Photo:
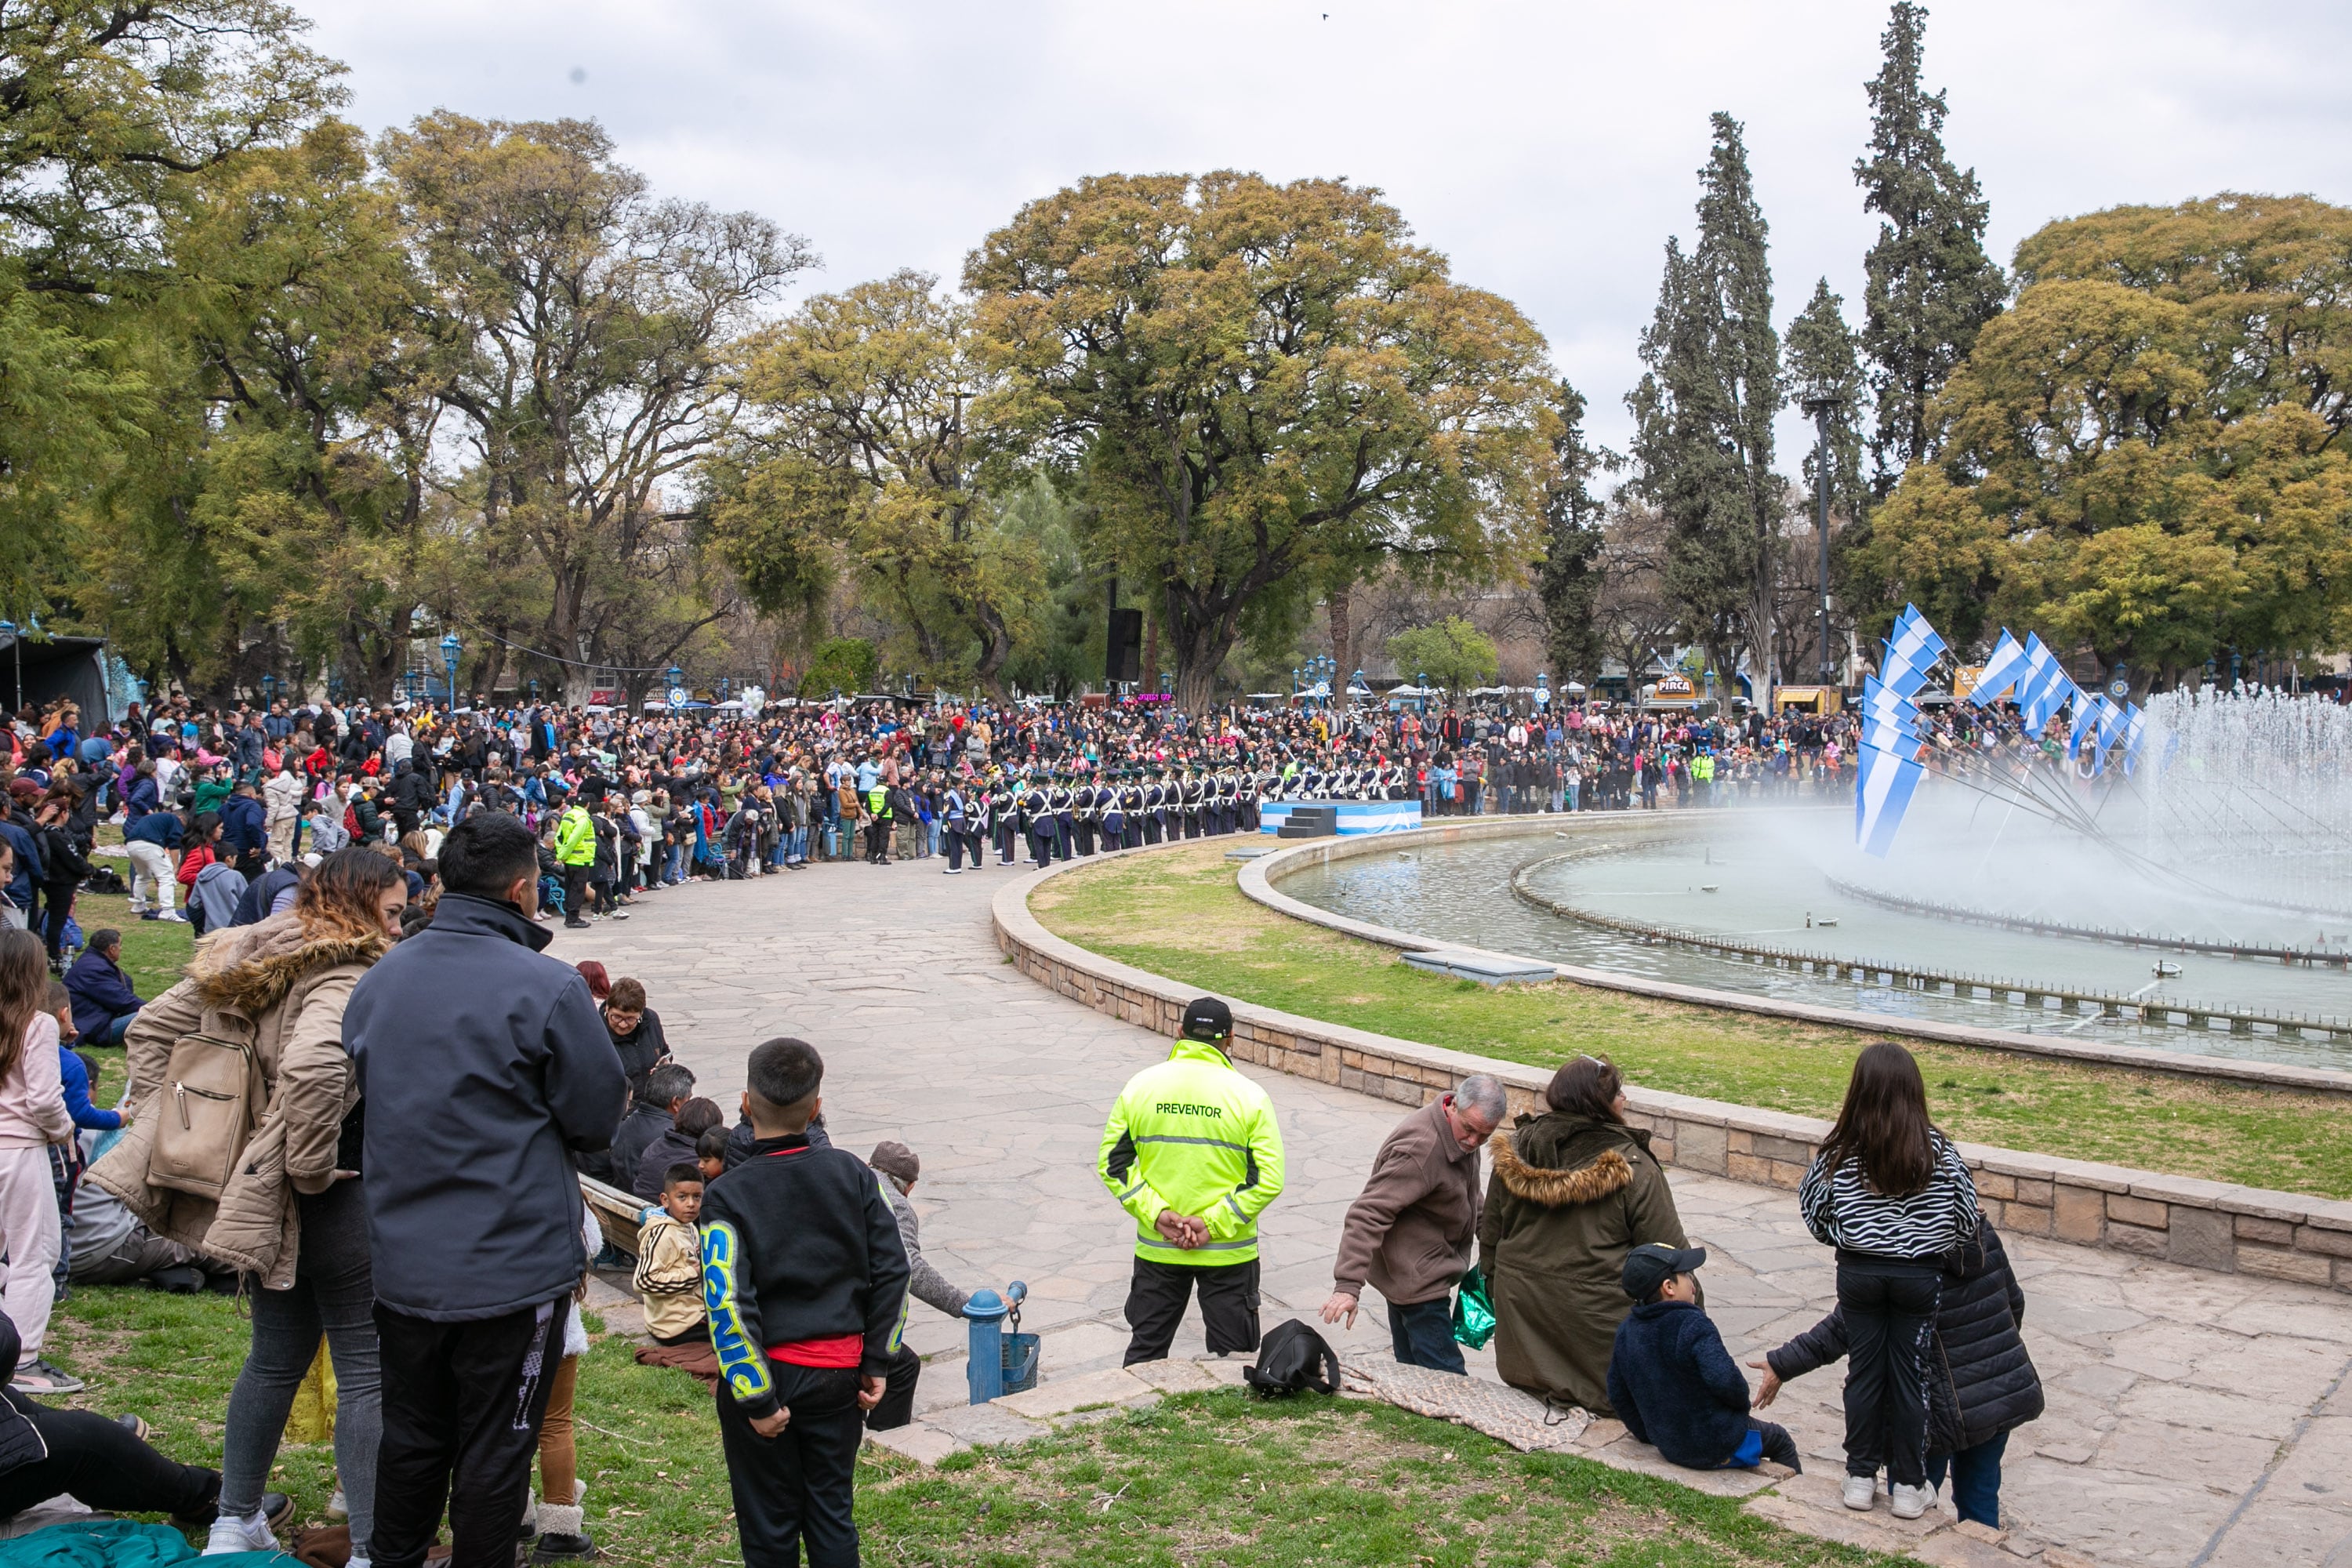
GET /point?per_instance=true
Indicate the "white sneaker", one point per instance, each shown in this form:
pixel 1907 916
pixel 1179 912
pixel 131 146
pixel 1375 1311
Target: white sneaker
pixel 337 1507
pixel 1861 1491
pixel 239 1535
pixel 1909 1502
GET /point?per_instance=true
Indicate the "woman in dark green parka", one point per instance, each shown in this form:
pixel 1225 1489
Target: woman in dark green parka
pixel 1574 1191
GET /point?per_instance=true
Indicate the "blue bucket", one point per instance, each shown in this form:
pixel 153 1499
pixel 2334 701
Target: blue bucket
pixel 1021 1355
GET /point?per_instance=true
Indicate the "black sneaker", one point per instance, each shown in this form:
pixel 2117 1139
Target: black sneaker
pixel 553 1548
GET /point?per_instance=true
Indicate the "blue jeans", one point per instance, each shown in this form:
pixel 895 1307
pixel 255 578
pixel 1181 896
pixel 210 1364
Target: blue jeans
pixel 1422 1336
pixel 1975 1480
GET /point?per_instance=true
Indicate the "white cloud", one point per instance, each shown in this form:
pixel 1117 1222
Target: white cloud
pixel 1547 149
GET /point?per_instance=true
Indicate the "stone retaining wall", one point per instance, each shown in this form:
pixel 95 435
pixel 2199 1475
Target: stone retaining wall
pixel 2201 1224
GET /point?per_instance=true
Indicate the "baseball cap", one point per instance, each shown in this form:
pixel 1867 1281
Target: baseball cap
pixel 1206 1018
pixel 1653 1263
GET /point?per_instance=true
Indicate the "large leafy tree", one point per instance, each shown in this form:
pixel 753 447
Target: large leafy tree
pixel 1255 382
pixel 1824 365
pixel 1931 286
pixel 2122 469
pixel 1703 415
pixel 290 484
pixel 588 319
pixel 108 107
pixel 858 438
pixel 1568 575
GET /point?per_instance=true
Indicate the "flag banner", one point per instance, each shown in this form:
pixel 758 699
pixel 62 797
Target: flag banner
pixel 2135 734
pixel 2084 719
pixel 1894 738
pixel 1915 645
pixel 2000 671
pixel 2112 722
pixel 1881 700
pixel 1882 793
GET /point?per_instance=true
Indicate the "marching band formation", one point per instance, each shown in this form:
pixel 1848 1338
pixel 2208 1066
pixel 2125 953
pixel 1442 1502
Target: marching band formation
pixel 1064 813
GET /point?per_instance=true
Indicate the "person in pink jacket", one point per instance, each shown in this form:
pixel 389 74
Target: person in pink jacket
pixel 32 1116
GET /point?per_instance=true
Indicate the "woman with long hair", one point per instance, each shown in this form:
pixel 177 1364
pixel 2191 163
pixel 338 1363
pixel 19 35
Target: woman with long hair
pixel 290 1217
pixel 1890 1192
pixel 1574 1190
pixel 32 1116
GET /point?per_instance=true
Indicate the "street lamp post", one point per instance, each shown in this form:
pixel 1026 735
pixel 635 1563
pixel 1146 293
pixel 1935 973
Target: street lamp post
pixel 1821 406
pixel 1421 685
pixel 672 693
pixel 450 648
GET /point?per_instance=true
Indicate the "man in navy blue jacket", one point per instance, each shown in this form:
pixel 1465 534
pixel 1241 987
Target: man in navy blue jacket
pixel 1671 1381
pixel 103 1001
pixel 482 1066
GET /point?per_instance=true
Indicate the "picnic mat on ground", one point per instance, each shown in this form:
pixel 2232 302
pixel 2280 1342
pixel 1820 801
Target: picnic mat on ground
pixel 117 1543
pixel 700 1359
pixel 1501 1411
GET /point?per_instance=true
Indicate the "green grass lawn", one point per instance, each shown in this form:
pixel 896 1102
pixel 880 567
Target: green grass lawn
pixel 1202 1478
pixel 1181 915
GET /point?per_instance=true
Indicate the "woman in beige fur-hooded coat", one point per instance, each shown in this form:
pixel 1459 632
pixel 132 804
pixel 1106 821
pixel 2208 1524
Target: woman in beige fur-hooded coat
pixel 1574 1190
pixel 292 1217
pixel 289 976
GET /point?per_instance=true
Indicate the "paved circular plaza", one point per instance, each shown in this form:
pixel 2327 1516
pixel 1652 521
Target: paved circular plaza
pixel 2194 1418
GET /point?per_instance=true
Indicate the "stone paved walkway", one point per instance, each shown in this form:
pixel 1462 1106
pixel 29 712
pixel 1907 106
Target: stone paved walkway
pixel 2193 1418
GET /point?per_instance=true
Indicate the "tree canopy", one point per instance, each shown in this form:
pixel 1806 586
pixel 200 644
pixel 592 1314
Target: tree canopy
pixel 1251 383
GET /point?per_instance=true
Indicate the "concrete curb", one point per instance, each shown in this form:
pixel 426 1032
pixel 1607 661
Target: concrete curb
pixel 2198 1224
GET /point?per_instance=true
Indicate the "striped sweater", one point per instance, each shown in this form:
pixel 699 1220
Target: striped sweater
pixel 1842 1211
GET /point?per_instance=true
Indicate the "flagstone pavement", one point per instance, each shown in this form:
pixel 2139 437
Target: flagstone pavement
pixel 2193 1418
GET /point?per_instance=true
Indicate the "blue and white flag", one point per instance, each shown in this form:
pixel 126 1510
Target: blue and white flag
pixel 2001 670
pixel 2041 685
pixel 2083 721
pixel 1881 700
pixel 1884 784
pixel 2135 734
pixel 2112 722
pixel 1911 652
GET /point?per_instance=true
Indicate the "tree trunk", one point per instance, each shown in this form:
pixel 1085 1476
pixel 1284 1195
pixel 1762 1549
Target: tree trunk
pixel 1343 640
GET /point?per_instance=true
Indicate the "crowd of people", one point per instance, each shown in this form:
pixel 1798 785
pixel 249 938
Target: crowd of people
pixel 212 800
pixel 365 877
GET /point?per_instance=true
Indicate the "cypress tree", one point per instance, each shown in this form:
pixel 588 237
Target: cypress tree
pixel 1703 417
pixel 1567 578
pixel 1825 360
pixel 1930 286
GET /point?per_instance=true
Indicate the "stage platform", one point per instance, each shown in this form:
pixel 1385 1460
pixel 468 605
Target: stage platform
pixel 1346 818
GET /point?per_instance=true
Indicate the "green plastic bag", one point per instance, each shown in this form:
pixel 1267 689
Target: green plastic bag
pixel 1474 1312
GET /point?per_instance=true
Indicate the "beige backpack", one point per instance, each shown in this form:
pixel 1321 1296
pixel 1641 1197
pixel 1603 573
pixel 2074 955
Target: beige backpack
pixel 211 1098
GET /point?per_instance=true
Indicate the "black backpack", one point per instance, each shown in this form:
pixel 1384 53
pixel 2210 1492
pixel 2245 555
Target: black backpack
pixel 1292 1357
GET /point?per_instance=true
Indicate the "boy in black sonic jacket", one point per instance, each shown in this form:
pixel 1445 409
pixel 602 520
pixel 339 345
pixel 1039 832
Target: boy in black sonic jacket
pixel 805 1280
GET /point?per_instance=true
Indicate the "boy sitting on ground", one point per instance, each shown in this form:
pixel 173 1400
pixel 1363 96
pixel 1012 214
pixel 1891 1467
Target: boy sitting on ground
pixel 1671 1381
pixel 670 1260
pixel 805 1280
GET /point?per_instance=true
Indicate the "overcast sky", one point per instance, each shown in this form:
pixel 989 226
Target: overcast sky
pixel 1547 149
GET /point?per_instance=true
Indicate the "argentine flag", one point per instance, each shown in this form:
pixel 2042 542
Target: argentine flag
pixel 1883 788
pixel 2000 670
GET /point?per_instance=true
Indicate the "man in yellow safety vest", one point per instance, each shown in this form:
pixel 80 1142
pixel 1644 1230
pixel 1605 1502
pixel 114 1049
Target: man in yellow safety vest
pixel 1191 1151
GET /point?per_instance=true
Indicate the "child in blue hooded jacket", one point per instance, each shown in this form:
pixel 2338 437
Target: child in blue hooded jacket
pixel 1671 1381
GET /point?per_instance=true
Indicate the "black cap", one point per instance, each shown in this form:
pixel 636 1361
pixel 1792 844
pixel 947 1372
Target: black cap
pixel 1206 1018
pixel 1653 1263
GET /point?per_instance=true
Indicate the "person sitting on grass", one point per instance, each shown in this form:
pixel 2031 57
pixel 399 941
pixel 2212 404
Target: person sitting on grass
pixel 103 1464
pixel 670 1260
pixel 1671 1381
pixel 104 1001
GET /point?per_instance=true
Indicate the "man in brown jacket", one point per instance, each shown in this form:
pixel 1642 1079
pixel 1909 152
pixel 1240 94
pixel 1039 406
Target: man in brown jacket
pixel 1409 1233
